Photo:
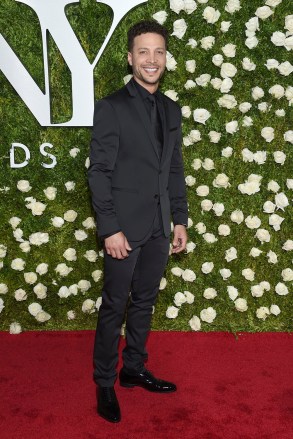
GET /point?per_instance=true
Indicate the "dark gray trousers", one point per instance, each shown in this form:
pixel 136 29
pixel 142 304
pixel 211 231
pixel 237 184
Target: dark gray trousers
pixel 140 273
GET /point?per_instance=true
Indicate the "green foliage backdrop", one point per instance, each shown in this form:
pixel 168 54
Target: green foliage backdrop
pixel 90 21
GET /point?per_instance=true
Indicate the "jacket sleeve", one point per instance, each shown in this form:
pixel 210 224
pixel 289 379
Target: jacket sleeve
pixel 103 153
pixel 177 187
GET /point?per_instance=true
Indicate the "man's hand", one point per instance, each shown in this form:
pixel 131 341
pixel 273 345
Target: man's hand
pixel 117 245
pixel 180 239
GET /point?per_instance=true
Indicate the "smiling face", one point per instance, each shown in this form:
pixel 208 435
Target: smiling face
pixel 148 60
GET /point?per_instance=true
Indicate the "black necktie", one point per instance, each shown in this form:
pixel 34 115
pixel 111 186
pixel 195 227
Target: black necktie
pixel 156 123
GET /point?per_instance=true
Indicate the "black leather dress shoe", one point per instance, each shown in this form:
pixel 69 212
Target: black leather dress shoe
pixel 108 405
pixel 146 380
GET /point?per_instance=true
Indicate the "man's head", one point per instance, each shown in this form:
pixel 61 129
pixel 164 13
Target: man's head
pixel 147 45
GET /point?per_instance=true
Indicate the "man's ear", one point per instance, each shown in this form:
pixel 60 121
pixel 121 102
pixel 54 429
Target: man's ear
pixel 129 57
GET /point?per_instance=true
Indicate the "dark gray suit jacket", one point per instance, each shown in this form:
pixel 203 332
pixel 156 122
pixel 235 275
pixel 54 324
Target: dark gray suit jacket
pixel 125 175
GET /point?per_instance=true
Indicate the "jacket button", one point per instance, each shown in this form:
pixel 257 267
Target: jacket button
pixel 156 196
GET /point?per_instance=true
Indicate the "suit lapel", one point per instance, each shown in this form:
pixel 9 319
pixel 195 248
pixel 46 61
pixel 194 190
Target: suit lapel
pixel 142 112
pixel 164 112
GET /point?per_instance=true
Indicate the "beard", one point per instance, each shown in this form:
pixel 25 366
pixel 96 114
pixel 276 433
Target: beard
pixel 151 81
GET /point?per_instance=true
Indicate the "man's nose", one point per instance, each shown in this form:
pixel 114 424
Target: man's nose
pixel 152 57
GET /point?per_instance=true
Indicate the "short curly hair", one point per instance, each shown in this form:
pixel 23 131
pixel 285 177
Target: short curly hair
pixel 143 27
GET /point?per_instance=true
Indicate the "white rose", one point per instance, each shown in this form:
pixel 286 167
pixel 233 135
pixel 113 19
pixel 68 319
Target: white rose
pixel 285 68
pixel 171 63
pixel 272 64
pixel 211 15
pixel 257 93
pixel 260 157
pixel 217 59
pixel 262 312
pixel 70 186
pixel 57 221
pixel 177 5
pixel 2 306
pixel 264 107
pixel 36 207
pixel 227 101
pixel 194 135
pixel 208 164
pixel 70 216
pixel 265 285
pixel 201 115
pixel 73 152
pixel 287 275
pixel 276 221
pixel 244 107
pixel 70 254
pixel 248 274
pixel 42 268
pixel 25 246
pixel 210 238
pixel 71 315
pixel 40 290
pixel 91 255
pixel 226 85
pixel 88 306
pixel 189 297
pixel 241 304
pixel 262 235
pixel 279 157
pixel 275 310
pixel 177 271
pixel 127 78
pixel 247 121
pixel 232 127
pixel 288 245
pixel 84 285
pixel 251 42
pixel 188 275
pixel 203 79
pixel 277 91
pixel 96 275
pixel 257 291
pixel 214 136
pixel 263 12
pixel 255 252
pixel 80 235
pixel 160 17
pixel 224 230
pixel 89 223
pixel 42 316
pixel 218 208
pixel 248 65
pixel 98 303
pixel 232 292
pixel 210 293
pixel 172 94
pixel 18 233
pixel 179 298
pixel 207 42
pixel 63 270
pixel 190 246
pixel 221 181
pixel 14 222
pixel 289 183
pixel 230 254
pixel 23 185
pixel 196 164
pixel 186 111
pixel 15 328
pixel 73 289
pixel 288 136
pixel 189 6
pixel 281 289
pixel 190 180
pixel 228 70
pixel 20 295
pixel 206 205
pixel 87 162
pixel 237 216
pixel 30 277
pixel 207 267
pixel 50 192
pixel 225 273
pixel 281 200
pixel 273 186
pixel 203 190
pixel 229 50
pixel 252 222
pixel 216 83
pixel 192 43
pixel 34 308
pixel 269 207
pixel 179 28
pixel 232 6
pixel 172 312
pixel 18 264
pixel 39 238
pixel 200 228
pixel 268 133
pixel 3 251
pixel 190 65
pixel 195 323
pixel 63 292
pixel 208 314
pixel 225 25
pixel 3 288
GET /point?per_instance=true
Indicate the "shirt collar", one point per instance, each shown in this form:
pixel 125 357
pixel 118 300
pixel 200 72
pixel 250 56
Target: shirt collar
pixel 144 93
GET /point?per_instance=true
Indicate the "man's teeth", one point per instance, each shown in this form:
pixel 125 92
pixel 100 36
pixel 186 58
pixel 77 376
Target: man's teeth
pixel 151 69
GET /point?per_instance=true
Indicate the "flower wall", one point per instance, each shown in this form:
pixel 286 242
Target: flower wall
pixel 229 69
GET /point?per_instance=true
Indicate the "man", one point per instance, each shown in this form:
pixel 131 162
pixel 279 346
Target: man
pixel 137 181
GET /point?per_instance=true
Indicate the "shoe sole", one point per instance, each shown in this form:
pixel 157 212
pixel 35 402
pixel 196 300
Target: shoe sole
pixel 129 386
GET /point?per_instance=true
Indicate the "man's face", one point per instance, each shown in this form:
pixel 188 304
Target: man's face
pixel 148 58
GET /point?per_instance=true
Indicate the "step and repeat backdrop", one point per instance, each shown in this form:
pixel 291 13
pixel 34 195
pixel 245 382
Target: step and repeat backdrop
pixel 230 69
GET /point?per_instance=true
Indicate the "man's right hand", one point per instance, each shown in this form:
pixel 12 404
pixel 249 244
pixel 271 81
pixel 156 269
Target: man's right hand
pixel 117 245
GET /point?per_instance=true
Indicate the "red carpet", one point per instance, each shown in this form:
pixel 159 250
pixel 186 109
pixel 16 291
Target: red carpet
pixel 227 388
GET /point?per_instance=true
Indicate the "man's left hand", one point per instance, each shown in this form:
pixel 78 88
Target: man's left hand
pixel 180 238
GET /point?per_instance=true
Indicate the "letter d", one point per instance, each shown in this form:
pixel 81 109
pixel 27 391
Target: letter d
pixel 12 157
